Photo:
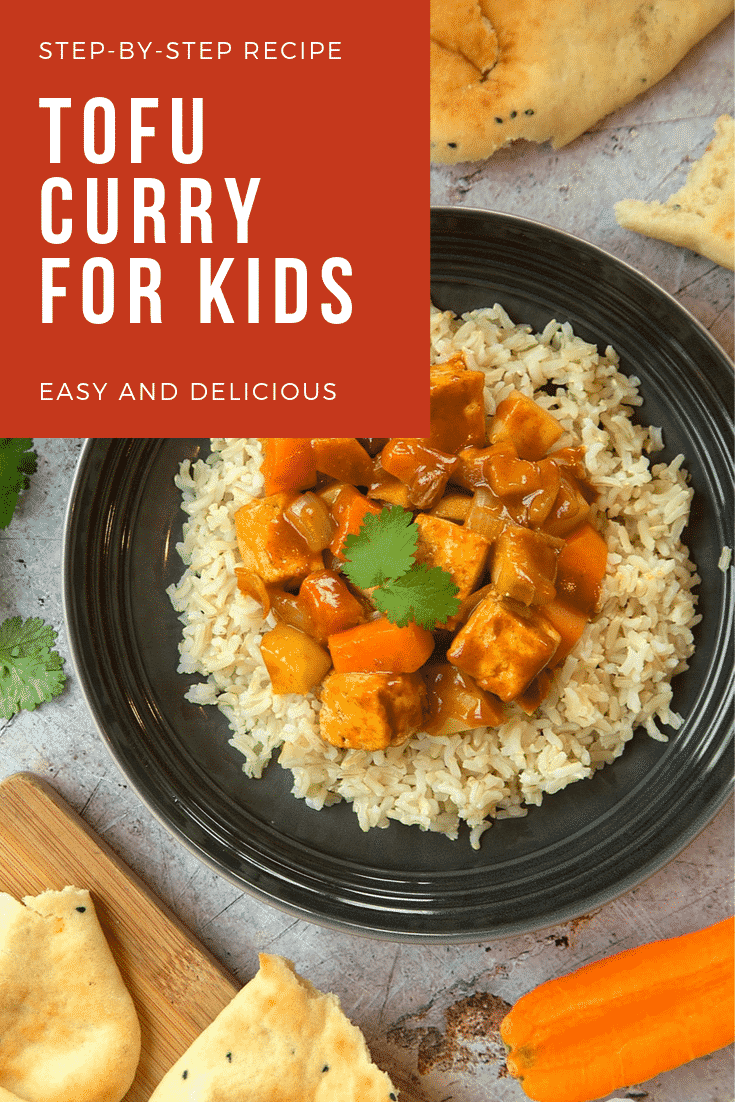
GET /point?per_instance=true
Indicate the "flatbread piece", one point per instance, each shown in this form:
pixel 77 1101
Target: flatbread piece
pixel 69 1031
pixel 546 70
pixel 701 214
pixel 277 1041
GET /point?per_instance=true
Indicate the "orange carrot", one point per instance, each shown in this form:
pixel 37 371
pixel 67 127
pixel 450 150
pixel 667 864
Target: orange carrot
pixel 349 511
pixel 288 464
pixel 380 647
pixel 580 569
pixel 343 458
pixel 624 1019
pixel 569 623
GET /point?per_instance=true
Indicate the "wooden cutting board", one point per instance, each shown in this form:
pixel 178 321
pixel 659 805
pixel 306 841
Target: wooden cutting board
pixel 177 985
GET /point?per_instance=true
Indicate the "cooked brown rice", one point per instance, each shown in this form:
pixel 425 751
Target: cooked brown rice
pixel 617 678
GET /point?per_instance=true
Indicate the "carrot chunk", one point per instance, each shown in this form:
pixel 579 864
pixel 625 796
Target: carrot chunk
pixel 288 464
pixel 381 647
pixel 343 458
pixel 569 623
pixel 580 569
pixel 349 510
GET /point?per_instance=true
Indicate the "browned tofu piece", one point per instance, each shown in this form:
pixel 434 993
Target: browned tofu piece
pixel 269 546
pixel 524 565
pixel 503 647
pixel 459 551
pixel 369 711
pixel 532 428
pixel 457 403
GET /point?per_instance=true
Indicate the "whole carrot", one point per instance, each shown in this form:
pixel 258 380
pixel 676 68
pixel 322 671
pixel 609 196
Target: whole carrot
pixel 624 1019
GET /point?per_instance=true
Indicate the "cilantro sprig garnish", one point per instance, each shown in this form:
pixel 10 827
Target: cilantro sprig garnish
pixel 31 672
pixel 381 557
pixel 17 462
pixel 383 549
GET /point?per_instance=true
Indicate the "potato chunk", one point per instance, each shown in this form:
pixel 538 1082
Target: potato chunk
pixel 503 647
pixel 457 402
pixel 269 546
pixel 295 662
pixel 369 711
pixel 460 552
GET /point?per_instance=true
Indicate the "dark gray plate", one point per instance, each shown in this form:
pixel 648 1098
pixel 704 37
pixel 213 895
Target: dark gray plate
pixel 585 845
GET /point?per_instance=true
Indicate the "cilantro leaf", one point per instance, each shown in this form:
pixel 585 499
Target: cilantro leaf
pixel 380 557
pixel 30 671
pixel 425 594
pixel 382 549
pixel 17 462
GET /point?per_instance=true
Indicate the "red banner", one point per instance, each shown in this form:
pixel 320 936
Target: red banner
pixel 217 220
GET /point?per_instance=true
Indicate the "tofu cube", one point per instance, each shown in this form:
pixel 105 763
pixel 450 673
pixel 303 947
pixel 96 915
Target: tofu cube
pixel 532 428
pixel 369 711
pixel 503 647
pixel 457 403
pixel 460 552
pixel 269 546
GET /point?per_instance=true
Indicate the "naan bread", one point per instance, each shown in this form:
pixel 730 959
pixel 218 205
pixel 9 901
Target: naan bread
pixel 700 215
pixel 68 1028
pixel 279 1040
pixel 546 70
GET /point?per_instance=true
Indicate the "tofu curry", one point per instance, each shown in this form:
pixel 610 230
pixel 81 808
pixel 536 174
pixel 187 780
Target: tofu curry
pixel 501 507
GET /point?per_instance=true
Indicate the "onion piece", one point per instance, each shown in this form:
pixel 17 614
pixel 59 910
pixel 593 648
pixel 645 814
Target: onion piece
pixel 289 608
pixel 469 604
pixel 309 516
pixel 452 507
pixel 486 516
pixel 252 585
pixel 330 492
